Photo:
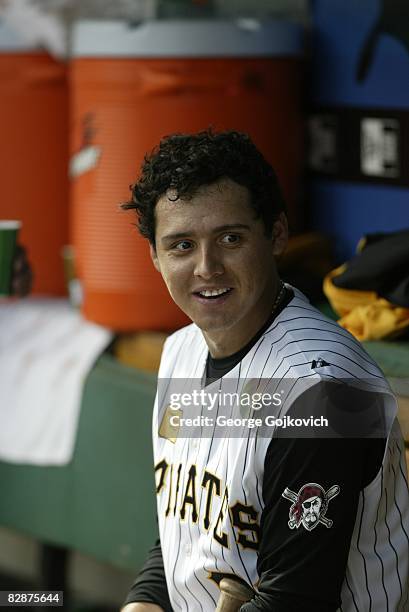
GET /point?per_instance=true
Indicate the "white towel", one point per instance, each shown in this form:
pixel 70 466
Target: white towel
pixel 46 352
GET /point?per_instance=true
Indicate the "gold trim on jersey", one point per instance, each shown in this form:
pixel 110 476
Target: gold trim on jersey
pixel 236 512
pixel 222 539
pixel 166 429
pixel 242 517
pixel 213 479
pixel 170 490
pixel 177 489
pixel 162 465
pixel 190 499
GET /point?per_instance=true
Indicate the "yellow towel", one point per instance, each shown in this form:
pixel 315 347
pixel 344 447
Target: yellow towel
pixel 366 315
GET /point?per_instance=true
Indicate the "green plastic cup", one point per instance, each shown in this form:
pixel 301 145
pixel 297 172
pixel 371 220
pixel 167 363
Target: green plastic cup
pixel 8 240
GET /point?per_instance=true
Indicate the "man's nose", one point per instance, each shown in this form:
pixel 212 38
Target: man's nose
pixel 208 262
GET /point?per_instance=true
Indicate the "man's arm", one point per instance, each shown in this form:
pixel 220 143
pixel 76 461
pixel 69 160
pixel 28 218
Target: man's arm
pixel 149 592
pixel 304 567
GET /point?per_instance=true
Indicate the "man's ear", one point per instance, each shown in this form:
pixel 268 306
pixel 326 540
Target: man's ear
pixel 280 234
pixel 154 257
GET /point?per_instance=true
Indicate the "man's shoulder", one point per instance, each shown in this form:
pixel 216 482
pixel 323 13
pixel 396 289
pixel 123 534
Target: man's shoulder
pixel 301 322
pixel 300 314
pixel 182 352
pixel 305 336
pixel 190 334
pixel 183 333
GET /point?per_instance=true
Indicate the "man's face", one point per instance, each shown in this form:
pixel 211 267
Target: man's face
pixel 311 510
pixel 217 262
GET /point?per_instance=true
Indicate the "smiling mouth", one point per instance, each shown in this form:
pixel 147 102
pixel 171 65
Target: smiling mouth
pixel 213 294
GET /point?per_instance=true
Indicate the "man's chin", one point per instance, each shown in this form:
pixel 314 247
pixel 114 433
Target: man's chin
pixel 211 325
pixel 213 322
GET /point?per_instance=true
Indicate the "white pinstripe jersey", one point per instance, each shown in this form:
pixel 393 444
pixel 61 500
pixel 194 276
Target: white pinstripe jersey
pixel 209 490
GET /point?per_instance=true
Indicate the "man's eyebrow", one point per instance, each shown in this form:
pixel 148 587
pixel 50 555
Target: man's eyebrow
pixel 220 228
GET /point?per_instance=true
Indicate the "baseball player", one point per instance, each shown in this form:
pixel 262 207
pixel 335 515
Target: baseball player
pixel 306 520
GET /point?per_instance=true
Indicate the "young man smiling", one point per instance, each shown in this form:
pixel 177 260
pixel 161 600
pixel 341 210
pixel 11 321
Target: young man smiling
pixel 218 261
pixel 308 522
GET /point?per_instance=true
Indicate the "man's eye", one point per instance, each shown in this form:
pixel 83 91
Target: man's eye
pixel 183 245
pixel 231 239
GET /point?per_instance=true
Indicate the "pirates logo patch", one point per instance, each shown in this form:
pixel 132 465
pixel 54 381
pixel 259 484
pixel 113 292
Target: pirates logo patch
pixel 310 505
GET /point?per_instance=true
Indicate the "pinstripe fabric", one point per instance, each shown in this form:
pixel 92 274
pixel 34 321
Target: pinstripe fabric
pixel 377 573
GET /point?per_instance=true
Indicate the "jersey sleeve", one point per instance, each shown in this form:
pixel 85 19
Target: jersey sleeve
pixel 150 584
pixel 311 489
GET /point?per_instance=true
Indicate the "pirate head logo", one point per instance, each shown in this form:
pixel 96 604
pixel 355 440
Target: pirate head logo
pixel 310 505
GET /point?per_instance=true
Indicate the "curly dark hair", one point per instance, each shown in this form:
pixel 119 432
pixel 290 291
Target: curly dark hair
pixel 186 162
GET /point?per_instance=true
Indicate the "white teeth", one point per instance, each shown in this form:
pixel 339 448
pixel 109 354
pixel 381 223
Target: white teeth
pixel 213 292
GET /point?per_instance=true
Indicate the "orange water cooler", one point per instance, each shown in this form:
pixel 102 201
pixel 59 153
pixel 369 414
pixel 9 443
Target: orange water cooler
pixel 131 85
pixel 34 155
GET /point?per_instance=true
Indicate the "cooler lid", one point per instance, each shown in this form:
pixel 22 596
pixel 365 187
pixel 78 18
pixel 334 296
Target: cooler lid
pixel 187 38
pixel 11 41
